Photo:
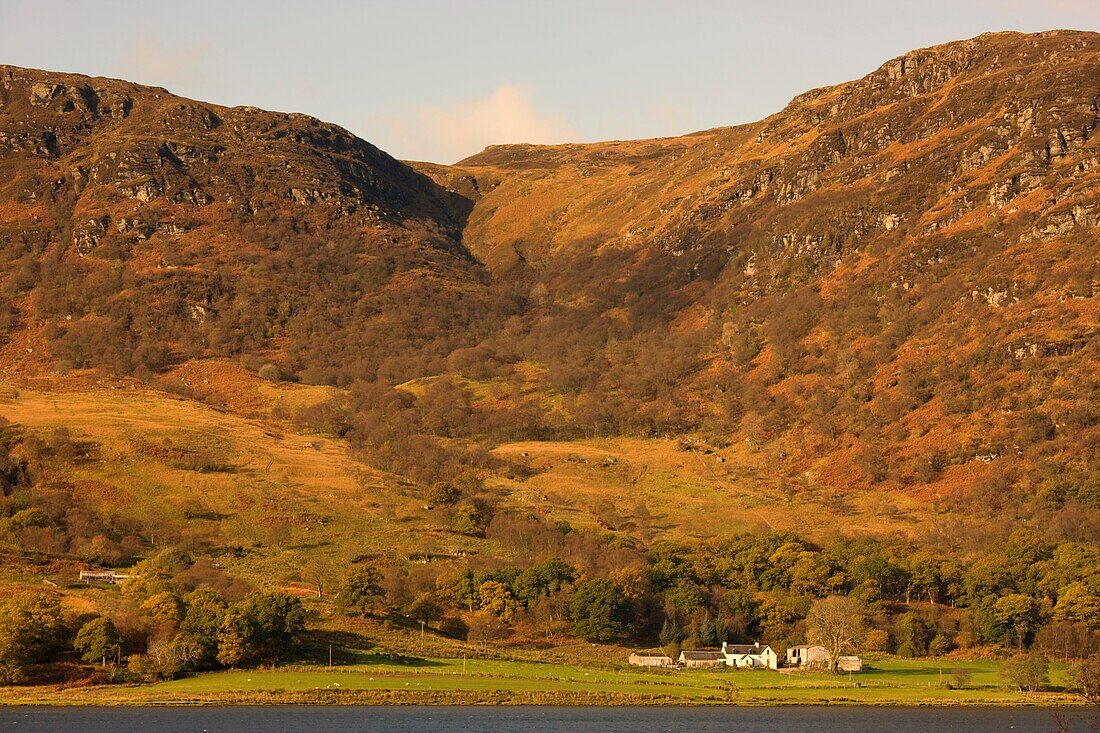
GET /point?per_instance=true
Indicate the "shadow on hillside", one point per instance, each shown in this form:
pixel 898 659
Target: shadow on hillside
pixel 348 648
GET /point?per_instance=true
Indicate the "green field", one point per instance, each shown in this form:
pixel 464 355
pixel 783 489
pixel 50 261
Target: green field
pixel 885 682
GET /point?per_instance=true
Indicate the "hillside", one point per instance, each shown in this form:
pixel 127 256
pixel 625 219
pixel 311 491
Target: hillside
pixel 891 280
pixel 141 229
pixel 849 349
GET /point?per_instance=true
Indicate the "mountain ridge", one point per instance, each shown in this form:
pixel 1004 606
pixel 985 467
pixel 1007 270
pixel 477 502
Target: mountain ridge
pixel 888 281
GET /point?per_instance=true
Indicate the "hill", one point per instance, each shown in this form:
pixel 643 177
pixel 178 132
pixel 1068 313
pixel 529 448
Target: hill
pixel 850 348
pixel 141 229
pixel 891 280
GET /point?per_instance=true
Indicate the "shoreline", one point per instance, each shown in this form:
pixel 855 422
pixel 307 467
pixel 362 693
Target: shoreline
pixel 102 697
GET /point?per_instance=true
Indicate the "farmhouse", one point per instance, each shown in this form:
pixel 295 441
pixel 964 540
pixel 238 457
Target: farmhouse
pixel 750 656
pixel 702 659
pixel 650 660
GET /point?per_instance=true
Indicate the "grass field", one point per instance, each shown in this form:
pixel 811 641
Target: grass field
pixel 453 680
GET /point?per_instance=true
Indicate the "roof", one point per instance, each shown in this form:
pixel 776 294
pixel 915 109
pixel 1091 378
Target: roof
pixel 702 655
pixel 746 648
pixel 641 655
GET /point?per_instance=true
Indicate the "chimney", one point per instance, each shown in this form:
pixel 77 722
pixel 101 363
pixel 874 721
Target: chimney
pixel 723 647
pixel 756 644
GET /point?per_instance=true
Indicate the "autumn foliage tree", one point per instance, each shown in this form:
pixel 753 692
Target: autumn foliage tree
pixel 838 624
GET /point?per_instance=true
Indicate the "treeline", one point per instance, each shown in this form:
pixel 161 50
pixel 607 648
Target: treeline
pixel 177 617
pixel 180 614
pixel 1025 593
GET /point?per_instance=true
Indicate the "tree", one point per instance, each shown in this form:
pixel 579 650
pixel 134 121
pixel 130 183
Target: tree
pixel 836 623
pixel 671 636
pixel 1017 616
pixel 425 608
pixel 1027 671
pixel 912 633
pixel 497 600
pixel 164 609
pixel 361 590
pixel 275 622
pixel 707 633
pixel 30 630
pixel 98 640
pixel 599 610
pixel 1085 678
pixel 196 643
pixel 469 521
pixel 941 644
pixel 233 639
pixel 484 626
pixel 1077 603
pixel 263 626
pixel 160 661
pixel 684 599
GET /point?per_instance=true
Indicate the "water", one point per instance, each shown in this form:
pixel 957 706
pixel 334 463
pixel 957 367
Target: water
pixel 531 720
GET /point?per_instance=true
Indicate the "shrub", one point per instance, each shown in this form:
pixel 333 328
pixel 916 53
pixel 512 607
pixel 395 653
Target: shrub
pixel 1030 672
pixel 270 372
pixel 442 494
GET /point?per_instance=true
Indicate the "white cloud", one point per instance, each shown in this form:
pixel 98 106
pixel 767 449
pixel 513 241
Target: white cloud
pixel 447 134
pixel 181 68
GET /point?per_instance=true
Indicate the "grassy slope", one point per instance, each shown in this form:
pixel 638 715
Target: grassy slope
pixel 292 499
pixel 479 680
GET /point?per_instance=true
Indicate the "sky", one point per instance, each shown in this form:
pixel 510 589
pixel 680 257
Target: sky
pixel 438 81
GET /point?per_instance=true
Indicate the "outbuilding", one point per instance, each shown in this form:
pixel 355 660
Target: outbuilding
pixel 702 659
pixel 650 660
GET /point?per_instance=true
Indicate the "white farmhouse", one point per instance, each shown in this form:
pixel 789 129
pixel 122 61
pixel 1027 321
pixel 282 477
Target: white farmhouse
pixel 750 656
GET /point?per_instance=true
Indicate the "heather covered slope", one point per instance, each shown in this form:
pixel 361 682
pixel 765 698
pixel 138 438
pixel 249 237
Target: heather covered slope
pixel 895 276
pixel 889 284
pixel 142 229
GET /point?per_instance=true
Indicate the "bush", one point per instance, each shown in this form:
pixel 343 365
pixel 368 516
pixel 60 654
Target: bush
pixel 960 679
pixel 1030 672
pixel 442 494
pixel 270 372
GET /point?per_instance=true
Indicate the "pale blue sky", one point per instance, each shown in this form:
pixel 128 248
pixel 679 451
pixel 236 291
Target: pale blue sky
pixel 439 80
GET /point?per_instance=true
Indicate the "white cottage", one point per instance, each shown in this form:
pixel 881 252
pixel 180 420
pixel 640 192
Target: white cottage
pixel 750 656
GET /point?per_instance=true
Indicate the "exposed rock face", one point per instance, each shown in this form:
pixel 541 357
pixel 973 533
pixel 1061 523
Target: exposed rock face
pixel 917 146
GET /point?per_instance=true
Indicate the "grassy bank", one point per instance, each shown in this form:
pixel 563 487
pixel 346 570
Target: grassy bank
pixel 458 681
